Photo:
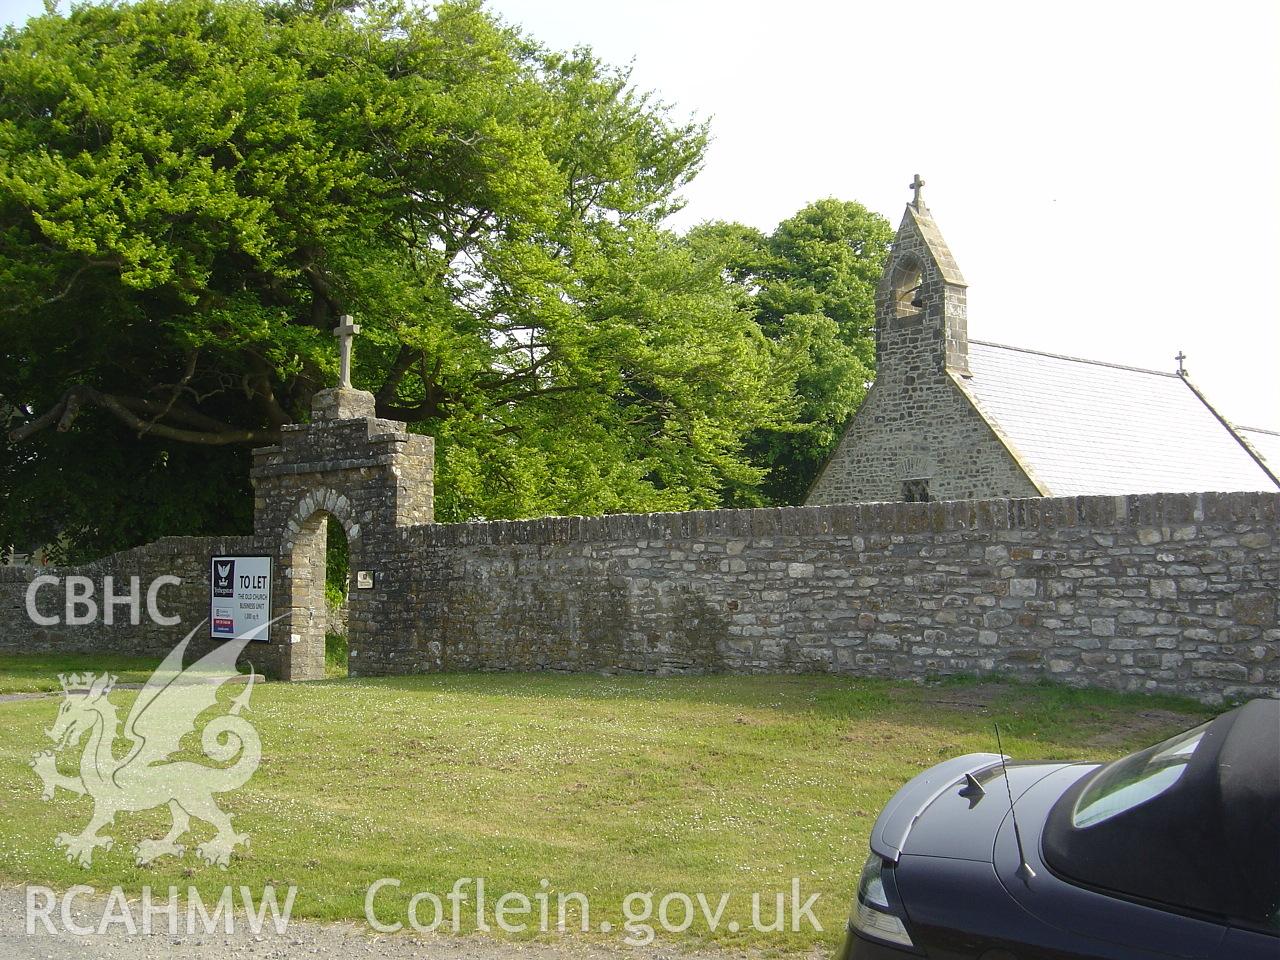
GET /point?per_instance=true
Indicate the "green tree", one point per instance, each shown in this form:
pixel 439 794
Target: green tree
pixel 192 191
pixel 810 284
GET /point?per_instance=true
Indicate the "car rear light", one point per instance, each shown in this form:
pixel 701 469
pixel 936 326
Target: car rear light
pixel 872 915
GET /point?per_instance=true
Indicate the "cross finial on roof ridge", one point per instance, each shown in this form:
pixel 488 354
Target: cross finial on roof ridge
pixel 917 185
pixel 1182 371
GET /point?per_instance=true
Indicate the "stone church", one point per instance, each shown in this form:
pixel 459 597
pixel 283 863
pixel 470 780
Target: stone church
pixel 950 418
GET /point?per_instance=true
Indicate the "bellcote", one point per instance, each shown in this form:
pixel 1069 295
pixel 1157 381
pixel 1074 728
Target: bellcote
pixel 921 314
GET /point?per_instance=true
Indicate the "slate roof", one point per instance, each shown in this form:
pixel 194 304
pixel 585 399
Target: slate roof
pixel 1083 427
pixel 1264 442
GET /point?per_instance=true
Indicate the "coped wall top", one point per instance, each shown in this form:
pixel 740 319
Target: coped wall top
pixel 1145 510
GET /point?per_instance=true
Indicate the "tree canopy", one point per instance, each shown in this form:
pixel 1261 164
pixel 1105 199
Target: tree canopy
pixel 192 191
pixel 810 285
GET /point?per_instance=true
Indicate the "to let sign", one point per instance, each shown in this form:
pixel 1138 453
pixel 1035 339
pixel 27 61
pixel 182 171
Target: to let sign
pixel 239 597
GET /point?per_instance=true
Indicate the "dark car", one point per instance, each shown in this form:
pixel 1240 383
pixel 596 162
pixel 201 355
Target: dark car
pixel 1173 851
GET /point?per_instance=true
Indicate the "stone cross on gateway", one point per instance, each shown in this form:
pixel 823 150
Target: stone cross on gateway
pixel 345 331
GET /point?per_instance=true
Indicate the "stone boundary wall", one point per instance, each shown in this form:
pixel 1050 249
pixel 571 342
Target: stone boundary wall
pixel 1171 592
pixel 184 557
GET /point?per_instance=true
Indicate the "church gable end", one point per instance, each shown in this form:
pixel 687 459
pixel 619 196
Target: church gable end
pixel 917 431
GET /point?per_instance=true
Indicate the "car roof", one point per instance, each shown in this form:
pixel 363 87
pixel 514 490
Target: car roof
pixel 1209 843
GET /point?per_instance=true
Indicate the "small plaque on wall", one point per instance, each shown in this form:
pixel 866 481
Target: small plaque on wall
pixel 364 579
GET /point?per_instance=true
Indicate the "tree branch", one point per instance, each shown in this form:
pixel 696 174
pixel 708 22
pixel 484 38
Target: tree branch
pixel 531 394
pixel 404 361
pixel 88 265
pixel 177 388
pixel 66 409
pixel 179 413
pixel 324 299
pixel 263 392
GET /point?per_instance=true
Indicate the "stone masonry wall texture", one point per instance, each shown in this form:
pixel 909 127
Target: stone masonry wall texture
pixel 936 434
pixel 1170 592
pixel 186 558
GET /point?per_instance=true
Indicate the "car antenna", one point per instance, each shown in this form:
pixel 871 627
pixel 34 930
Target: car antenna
pixel 1024 868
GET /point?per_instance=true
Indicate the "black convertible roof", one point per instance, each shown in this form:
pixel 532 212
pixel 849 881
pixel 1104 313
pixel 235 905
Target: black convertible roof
pixel 1209 843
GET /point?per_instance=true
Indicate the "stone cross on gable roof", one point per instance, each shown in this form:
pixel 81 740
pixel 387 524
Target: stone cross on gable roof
pixel 345 331
pixel 917 185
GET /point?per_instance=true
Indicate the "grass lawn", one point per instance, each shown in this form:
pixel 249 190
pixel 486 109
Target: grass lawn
pixel 602 786
pixel 32 673
pixel 335 655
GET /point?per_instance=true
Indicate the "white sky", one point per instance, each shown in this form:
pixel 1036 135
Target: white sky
pixel 1107 174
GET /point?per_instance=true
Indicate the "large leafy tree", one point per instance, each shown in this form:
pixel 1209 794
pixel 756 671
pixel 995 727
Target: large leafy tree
pixel 810 284
pixel 192 191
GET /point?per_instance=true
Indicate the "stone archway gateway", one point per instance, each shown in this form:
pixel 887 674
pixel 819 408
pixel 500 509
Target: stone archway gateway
pixel 370 475
pixel 305 572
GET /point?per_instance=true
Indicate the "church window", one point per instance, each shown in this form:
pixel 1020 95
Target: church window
pixel 915 491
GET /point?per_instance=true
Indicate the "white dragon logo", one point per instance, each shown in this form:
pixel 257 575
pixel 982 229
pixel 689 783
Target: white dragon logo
pixel 165 711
